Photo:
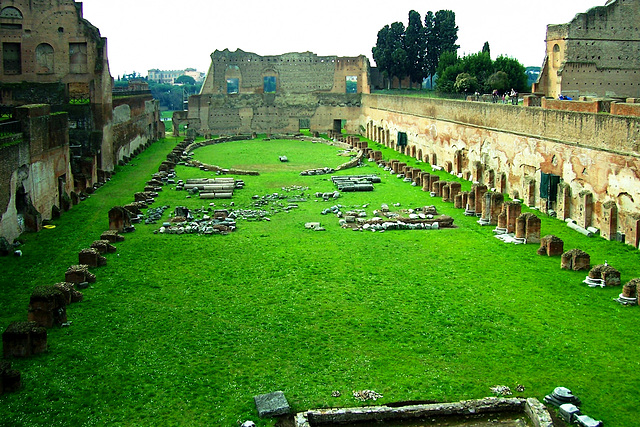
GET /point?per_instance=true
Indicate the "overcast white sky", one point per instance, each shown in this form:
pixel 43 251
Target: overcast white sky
pixel 178 34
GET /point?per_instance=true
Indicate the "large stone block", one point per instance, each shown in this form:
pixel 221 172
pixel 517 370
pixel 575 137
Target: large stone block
pixel 575 260
pixel 79 274
pixel 272 404
pixel 47 307
pixel 24 339
pixel 91 257
pixel 551 246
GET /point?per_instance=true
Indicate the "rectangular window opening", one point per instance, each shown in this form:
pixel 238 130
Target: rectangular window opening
pixel 11 58
pixel 270 84
pixel 233 86
pixel 352 84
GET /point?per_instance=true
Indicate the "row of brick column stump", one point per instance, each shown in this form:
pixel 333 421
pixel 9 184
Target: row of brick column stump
pixel 48 304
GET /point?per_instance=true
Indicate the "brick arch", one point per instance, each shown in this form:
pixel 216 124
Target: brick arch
pixel 419 156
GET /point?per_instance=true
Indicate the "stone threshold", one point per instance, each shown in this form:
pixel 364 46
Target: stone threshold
pixel 532 407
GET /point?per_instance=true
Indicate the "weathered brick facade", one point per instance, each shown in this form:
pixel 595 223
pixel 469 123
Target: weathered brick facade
pixel 51 55
pixel 244 92
pixel 596 54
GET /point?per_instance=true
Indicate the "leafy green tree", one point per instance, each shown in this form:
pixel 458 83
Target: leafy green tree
pixel 187 80
pixel 517 73
pixel 441 34
pixel 415 48
pixel 381 54
pixel 465 82
pixel 486 49
pixel 478 65
pixel 497 81
pixel 446 30
pixel 449 66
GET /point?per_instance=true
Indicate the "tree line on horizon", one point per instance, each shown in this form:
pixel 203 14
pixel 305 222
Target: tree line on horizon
pixel 427 49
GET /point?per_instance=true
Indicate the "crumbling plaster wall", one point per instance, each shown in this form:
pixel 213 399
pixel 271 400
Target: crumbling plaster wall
pixel 596 153
pixel 36 164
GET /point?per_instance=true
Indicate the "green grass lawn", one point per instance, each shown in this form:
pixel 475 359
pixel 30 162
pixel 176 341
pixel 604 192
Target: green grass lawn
pixel 185 330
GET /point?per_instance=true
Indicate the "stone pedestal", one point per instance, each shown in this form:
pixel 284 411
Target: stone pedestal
pixel 71 294
pixel 455 189
pixel 563 206
pixel 79 274
pixel 448 166
pixel 575 260
pixel 119 219
pixel 426 181
pixel 610 217
pixel 630 290
pixel 479 190
pixel 551 246
pixel 533 228
pixel 24 339
pixel 112 236
pixel 501 182
pixel 477 172
pixel 433 179
pixel 457 162
pixel 91 257
pixel 446 193
pixel 457 201
pixel 529 190
pixel 512 210
pixel 47 307
pixel 585 209
pixel 104 247
pixel 606 273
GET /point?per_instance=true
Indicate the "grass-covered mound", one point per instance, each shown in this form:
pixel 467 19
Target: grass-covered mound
pixel 185 330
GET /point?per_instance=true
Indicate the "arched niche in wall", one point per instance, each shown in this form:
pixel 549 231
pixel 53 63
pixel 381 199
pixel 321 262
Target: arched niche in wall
pixel 44 59
pixel 556 56
pixel 11 13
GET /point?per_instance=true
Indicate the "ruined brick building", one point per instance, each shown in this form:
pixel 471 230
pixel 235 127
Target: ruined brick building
pixel 62 128
pixel 596 54
pixel 244 92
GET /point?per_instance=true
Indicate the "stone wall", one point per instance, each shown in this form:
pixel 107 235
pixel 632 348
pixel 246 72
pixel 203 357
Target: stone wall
pixel 35 173
pixel 136 122
pixel 596 54
pixel 244 93
pixel 592 153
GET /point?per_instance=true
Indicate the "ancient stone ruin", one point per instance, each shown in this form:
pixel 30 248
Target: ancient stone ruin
pixel 24 339
pixel 112 236
pixel 47 307
pixel 551 246
pixel 630 292
pixel 91 257
pixel 79 274
pixel 575 260
pixel 603 275
pixel 104 247
pixel 119 219
pixel 71 294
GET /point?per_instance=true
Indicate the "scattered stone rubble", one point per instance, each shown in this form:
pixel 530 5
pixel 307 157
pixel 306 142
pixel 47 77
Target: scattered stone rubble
pixel 424 218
